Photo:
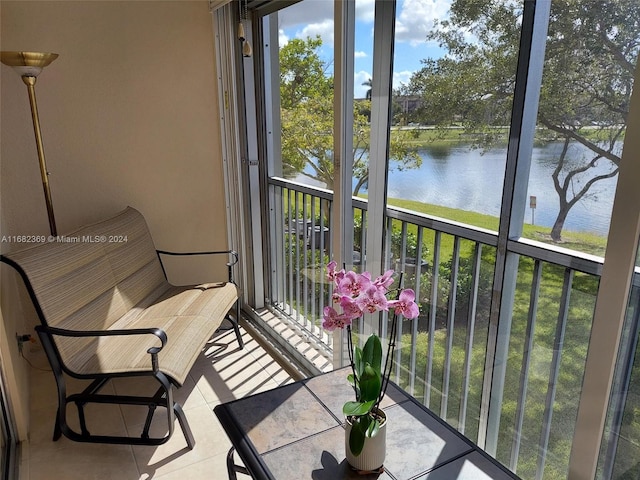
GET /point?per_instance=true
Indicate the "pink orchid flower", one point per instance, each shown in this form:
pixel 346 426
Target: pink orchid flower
pixel 372 300
pixel 350 307
pixel 332 273
pixel 333 320
pixel 357 294
pixel 385 280
pixel 405 305
pixel 352 283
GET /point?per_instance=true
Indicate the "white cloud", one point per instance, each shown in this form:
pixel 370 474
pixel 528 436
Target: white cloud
pixel 365 10
pixel 282 38
pixel 311 18
pixel 316 17
pixel 318 10
pixel 360 54
pixel 401 78
pixel 416 19
pixel 303 13
pixel 324 29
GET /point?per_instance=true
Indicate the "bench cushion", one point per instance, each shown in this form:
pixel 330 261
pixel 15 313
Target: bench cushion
pixel 188 315
pixel 108 276
pixel 79 270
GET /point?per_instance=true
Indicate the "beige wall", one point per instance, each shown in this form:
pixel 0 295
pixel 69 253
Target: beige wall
pixel 129 116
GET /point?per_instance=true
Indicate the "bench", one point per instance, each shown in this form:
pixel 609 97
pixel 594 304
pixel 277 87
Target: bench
pixel 107 310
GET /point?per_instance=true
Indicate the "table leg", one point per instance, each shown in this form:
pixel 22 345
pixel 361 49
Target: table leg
pixel 232 468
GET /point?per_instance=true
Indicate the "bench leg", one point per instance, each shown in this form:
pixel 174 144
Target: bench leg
pixel 186 430
pixel 61 388
pixel 81 418
pixel 165 395
pixel 57 431
pixel 162 398
pixel 147 423
pixel 236 328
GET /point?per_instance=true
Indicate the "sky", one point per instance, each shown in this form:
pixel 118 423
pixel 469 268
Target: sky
pixel 414 18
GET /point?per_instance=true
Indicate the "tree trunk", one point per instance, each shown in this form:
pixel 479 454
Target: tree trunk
pixel 558 225
pixel 361 182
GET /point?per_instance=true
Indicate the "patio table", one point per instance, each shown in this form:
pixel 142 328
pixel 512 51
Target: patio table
pixel 296 432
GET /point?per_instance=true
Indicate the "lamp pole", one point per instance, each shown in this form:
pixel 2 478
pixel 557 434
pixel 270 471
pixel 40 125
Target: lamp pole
pixel 29 65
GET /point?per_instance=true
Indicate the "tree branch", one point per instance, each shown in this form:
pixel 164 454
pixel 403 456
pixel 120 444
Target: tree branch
pixel 568 132
pixel 616 52
pixel 581 193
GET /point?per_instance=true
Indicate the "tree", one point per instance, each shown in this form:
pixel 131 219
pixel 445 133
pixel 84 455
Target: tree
pixel 591 51
pixel 306 100
pixel 368 83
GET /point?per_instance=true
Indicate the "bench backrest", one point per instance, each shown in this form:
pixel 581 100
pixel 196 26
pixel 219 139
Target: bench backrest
pixel 90 278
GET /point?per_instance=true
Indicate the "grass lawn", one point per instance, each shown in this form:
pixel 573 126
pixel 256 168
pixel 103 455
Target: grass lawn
pixel 579 241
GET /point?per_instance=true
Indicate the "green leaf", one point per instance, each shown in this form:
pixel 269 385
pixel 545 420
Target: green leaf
pixel 370 384
pixel 359 364
pixel 351 379
pixel 357 436
pixel 357 408
pixel 372 353
pixel 373 428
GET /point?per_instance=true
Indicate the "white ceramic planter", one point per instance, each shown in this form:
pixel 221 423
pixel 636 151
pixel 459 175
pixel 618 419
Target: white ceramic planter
pixel 374 451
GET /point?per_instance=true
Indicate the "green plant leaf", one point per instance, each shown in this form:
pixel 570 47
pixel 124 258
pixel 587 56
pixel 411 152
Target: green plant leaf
pixel 370 384
pixel 351 379
pixel 359 364
pixel 372 353
pixel 373 429
pixel 357 408
pixel 357 436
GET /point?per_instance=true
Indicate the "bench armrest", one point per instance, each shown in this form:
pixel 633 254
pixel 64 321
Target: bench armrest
pixel 153 351
pixel 232 253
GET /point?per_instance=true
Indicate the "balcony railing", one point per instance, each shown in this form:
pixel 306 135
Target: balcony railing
pixel 441 355
pixel 301 241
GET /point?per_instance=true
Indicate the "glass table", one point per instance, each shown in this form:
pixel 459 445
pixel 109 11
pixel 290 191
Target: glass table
pixel 295 432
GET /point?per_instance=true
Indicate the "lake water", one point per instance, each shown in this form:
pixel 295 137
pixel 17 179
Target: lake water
pixel 465 178
pixel 469 179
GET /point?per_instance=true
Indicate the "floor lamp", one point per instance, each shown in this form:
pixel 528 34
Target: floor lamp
pixel 29 65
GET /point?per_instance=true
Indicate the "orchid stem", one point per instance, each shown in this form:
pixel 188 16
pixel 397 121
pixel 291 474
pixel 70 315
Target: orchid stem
pixel 388 365
pixel 353 368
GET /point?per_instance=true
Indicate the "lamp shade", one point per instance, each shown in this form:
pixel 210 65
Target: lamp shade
pixel 27 64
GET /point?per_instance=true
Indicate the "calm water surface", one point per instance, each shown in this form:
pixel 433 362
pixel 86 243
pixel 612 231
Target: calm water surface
pixel 465 178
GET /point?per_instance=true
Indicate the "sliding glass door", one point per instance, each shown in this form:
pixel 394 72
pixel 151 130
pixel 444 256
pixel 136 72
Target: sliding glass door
pixel 481 159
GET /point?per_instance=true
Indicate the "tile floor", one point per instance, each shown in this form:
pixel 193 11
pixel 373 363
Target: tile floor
pixel 222 373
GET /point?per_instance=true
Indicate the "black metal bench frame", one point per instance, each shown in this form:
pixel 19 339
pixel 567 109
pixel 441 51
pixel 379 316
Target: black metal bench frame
pixel 163 397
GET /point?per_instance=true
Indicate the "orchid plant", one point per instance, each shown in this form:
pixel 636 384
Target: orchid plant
pixel 357 294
